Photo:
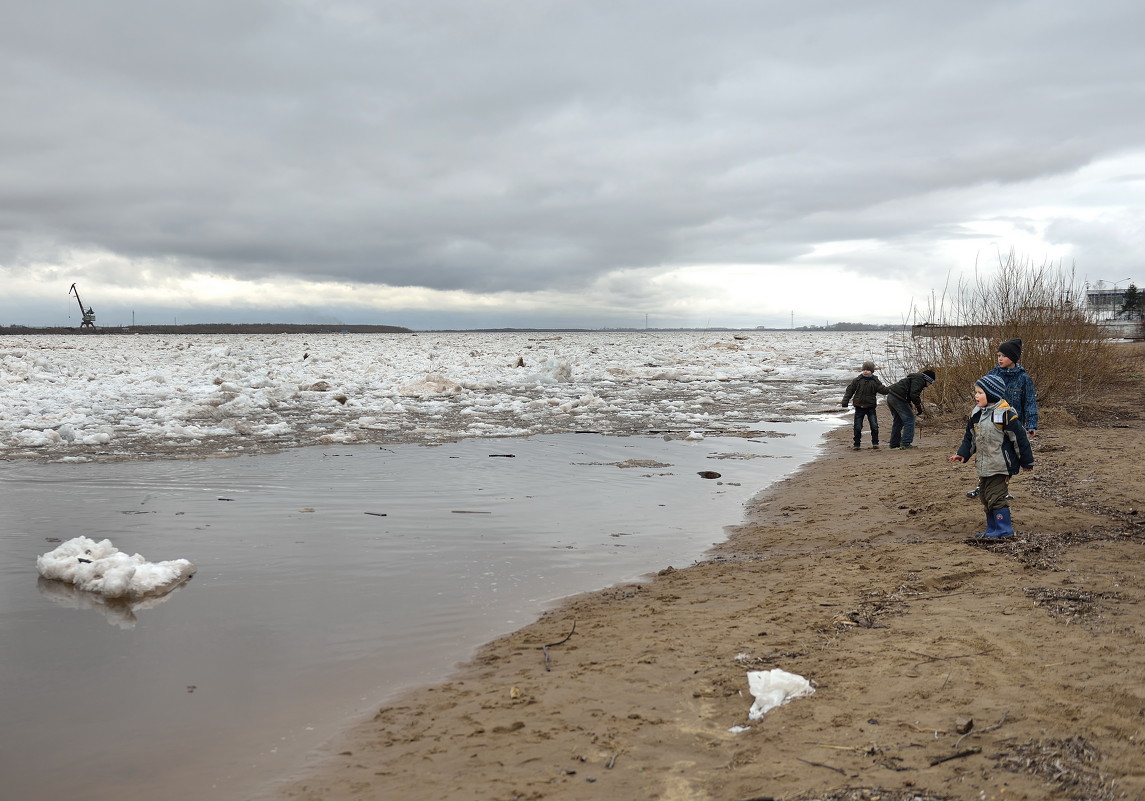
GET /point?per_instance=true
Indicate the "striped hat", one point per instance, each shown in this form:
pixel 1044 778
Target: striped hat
pixel 993 386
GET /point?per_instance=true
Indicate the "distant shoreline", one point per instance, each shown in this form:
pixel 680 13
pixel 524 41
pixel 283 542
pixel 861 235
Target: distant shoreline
pixel 211 328
pixel 304 328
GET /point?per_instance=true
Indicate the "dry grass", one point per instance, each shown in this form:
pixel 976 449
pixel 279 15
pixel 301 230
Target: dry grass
pixel 1063 349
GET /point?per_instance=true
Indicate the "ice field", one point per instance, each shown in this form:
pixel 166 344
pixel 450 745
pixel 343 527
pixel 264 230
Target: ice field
pixel 85 397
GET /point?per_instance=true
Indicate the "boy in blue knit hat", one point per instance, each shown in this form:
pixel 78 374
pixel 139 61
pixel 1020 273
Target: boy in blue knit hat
pixel 997 437
pixel 1020 392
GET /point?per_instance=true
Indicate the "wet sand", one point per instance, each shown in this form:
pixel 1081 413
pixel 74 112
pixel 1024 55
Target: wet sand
pixel 944 667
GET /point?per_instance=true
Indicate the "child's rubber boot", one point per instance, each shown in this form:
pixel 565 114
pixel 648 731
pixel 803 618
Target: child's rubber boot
pixel 1002 525
pixel 991 528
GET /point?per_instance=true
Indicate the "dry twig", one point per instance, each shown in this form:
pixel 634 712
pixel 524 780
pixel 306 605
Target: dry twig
pixel 546 648
pixel 821 765
pixel 997 725
pixel 959 755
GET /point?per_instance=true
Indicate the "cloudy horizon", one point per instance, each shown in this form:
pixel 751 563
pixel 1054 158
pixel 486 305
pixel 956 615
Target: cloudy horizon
pixel 555 164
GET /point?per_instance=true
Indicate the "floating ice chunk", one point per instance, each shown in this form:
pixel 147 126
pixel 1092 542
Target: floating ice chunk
pixel 101 568
pixel 560 371
pixel 694 436
pixel 578 404
pixel 432 384
pixel 772 688
pixel 554 371
pixel 37 439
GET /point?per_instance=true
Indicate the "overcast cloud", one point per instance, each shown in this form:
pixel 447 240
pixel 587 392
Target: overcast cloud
pixel 457 163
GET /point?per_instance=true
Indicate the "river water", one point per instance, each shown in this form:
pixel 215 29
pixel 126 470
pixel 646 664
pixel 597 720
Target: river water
pixel 328 579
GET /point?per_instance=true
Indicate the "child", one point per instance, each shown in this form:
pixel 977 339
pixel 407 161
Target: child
pixel 1019 386
pixel 996 434
pixel 865 389
pixel 901 395
pixel 1020 393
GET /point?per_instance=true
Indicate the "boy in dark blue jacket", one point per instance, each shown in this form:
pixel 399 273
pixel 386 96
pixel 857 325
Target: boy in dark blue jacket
pixel 999 439
pixel 1020 392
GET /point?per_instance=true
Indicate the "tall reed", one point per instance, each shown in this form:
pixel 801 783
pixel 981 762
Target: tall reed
pixel 1063 348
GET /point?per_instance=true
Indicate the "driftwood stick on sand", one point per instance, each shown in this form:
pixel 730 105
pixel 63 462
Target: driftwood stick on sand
pixel 821 765
pixel 959 755
pixel 545 648
pixel 997 725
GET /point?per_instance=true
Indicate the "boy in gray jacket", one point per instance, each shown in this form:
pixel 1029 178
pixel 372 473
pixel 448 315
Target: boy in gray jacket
pixel 996 434
pixel 865 390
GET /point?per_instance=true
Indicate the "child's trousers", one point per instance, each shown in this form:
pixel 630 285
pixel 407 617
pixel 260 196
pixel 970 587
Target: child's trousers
pixel 992 490
pixel 870 416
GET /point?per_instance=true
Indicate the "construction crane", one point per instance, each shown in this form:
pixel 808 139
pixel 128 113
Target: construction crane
pixel 87 314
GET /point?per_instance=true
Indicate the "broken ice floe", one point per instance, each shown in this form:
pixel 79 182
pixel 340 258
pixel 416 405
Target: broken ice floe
pixel 102 569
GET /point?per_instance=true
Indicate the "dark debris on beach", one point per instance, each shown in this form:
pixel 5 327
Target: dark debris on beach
pixel 1071 765
pixel 867 794
pixel 1041 551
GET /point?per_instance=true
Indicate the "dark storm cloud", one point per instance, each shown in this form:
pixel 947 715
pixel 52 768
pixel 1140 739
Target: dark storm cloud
pixel 519 146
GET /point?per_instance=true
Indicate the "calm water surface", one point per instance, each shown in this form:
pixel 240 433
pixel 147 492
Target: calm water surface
pixel 327 580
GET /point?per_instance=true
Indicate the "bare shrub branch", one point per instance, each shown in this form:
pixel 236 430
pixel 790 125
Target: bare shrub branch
pixel 1063 347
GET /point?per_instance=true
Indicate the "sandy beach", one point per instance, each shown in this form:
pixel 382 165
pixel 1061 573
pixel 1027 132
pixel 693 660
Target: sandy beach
pixel 943 667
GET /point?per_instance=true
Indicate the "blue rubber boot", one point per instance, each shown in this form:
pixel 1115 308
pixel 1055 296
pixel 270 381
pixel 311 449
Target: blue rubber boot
pixel 991 528
pixel 1002 525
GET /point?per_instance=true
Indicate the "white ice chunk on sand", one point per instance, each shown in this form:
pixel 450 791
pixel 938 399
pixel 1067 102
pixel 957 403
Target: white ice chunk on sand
pixel 772 688
pixel 101 568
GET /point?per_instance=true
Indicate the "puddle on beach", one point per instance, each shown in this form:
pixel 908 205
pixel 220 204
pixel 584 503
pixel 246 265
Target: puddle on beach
pixel 327 579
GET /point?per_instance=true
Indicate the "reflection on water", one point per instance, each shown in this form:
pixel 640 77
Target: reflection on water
pixel 326 580
pixel 117 611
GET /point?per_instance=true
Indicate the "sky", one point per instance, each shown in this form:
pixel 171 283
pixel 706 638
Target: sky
pixel 549 163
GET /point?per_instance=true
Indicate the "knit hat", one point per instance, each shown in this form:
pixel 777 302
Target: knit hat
pixel 993 386
pixel 1012 350
pixel 869 366
pixel 928 375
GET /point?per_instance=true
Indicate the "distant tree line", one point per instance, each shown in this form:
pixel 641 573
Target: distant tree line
pixel 843 327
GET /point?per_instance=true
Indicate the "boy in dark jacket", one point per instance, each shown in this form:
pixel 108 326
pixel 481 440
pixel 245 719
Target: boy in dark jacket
pixel 865 389
pixel 999 439
pixel 901 396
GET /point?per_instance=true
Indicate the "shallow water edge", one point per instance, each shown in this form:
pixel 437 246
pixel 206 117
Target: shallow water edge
pixel 310 605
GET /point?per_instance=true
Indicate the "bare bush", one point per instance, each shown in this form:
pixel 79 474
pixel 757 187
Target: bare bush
pixel 1063 347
